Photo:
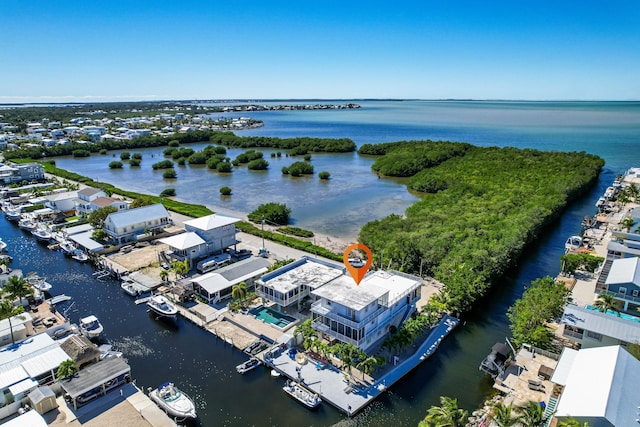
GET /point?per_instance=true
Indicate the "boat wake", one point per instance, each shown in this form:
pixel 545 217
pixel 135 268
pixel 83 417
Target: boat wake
pixel 132 346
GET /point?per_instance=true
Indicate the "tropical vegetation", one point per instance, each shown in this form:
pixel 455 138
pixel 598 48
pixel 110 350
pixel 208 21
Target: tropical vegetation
pixel 448 414
pixel 276 213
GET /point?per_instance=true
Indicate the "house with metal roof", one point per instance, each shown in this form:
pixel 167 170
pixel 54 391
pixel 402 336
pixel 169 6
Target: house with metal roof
pixel 623 281
pixel 63 202
pixel 217 285
pixel 204 236
pixel 589 327
pixel 124 226
pixel 289 285
pixel 598 386
pixel 361 314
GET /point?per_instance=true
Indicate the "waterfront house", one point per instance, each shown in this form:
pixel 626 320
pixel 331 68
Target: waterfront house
pixel 291 284
pixel 124 226
pixel 623 282
pixel 85 197
pixel 217 285
pixel 362 314
pixel 597 386
pixel 114 202
pixel 23 366
pixel 20 172
pixel 63 202
pixel 589 327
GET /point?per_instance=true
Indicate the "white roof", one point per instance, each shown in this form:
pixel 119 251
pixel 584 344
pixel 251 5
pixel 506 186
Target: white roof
pixel 211 222
pixel 184 240
pixel 230 275
pixel 45 362
pixel 12 376
pixel 78 229
pixel 563 368
pixel 305 271
pixel 398 284
pixel 602 383
pixel 62 196
pixel 624 270
pixel 22 386
pixel 28 419
pixel 138 215
pixel 37 355
pixel 85 240
pixel 345 292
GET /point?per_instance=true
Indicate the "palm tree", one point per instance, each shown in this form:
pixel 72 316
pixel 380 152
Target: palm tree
pixel 627 223
pixel 503 415
pixel 606 302
pixel 181 268
pixel 239 291
pixel 7 311
pixel 531 414
pixel 367 366
pixel 570 422
pixel 67 369
pixel 18 287
pixel 164 275
pixel 446 415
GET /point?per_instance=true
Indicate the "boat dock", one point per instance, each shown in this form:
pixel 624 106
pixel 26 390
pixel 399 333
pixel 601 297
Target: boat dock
pixel 351 396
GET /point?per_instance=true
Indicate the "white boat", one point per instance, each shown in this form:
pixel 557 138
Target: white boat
pixel 130 287
pixel 67 247
pixel 248 365
pixel 573 243
pixel 308 398
pixel 42 234
pixel 90 327
pixel 161 306
pixel 80 256
pixel 12 214
pixel 356 262
pixel 173 401
pixel 38 282
pixel 3 246
pixel 27 224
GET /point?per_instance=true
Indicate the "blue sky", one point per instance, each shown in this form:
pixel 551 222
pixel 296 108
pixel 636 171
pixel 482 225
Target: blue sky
pixel 138 50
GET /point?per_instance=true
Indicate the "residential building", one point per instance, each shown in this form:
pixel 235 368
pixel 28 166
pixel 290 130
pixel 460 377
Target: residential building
pixel 589 327
pixel 598 386
pixel 85 197
pixel 362 314
pixel 124 226
pixel 217 285
pixel 288 286
pixel 63 202
pixel 114 202
pixel 623 282
pixel 20 172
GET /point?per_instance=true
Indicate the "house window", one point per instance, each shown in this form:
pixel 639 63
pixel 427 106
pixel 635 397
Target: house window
pixel 594 336
pixel 623 291
pixel 634 293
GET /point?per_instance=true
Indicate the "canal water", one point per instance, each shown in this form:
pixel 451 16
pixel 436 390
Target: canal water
pixel 204 366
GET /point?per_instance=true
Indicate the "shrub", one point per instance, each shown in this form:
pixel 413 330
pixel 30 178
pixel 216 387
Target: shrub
pixel 295 231
pixel 125 155
pixel 224 167
pixel 181 161
pixel 324 175
pixel 80 153
pixel 103 151
pixel 307 157
pixel 258 164
pixel 225 191
pixel 170 174
pixel 134 162
pixel 168 192
pixel 137 156
pixel 115 165
pixel 235 162
pixel 199 158
pixel 277 213
pixel 174 143
pixel 272 155
pixel 278 154
pixel 165 164
pixel 285 170
pixel 301 168
pixel 168 152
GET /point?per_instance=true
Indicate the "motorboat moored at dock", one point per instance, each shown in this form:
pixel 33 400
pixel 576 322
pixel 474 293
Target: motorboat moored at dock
pixel 173 401
pixel 161 306
pixel 91 327
pixel 301 394
pixel 80 256
pixel 248 365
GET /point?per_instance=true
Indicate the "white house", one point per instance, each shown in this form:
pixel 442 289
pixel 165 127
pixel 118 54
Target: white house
pixel 599 386
pixel 291 284
pixel 63 202
pixel 103 202
pixel 85 197
pixel 217 285
pixel 218 231
pixel 362 314
pixel 124 226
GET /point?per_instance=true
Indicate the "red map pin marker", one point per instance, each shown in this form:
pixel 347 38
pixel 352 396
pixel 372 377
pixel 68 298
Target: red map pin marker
pixel 357 272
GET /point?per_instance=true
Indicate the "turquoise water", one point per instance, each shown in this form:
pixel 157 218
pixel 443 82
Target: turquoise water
pixel 272 317
pixel 613 313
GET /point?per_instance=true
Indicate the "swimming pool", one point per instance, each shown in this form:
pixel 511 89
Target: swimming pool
pixel 613 313
pixel 268 315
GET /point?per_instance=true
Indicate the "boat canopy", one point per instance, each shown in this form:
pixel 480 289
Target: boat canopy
pixel 94 376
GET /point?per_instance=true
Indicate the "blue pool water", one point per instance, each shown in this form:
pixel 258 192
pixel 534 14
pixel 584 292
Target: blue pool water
pixel 268 315
pixel 613 313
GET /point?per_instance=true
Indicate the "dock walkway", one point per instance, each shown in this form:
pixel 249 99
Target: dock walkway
pixel 330 384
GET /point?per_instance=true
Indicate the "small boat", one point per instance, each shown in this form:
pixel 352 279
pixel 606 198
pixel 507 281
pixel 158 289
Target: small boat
pixel 38 282
pixel 274 373
pixel 42 234
pixel 67 248
pixel 130 287
pixel 90 327
pixel 248 365
pixel 308 398
pixel 496 361
pixel 356 262
pixel 161 306
pixel 173 401
pixel 27 224
pixel 80 256
pixel 3 246
pixel 573 243
pixel 12 214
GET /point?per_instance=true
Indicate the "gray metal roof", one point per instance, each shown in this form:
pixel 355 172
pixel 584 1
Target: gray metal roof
pixel 345 292
pixel 89 191
pixel 624 271
pixel 85 240
pixel 94 376
pixel 243 268
pixel 138 215
pixel 605 324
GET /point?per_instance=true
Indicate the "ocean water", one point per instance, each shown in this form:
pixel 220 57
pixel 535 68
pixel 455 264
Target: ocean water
pixel 158 351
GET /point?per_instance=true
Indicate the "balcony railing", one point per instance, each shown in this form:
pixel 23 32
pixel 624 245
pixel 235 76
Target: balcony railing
pixel 624 297
pixel 319 308
pixel 572 334
pixel 319 326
